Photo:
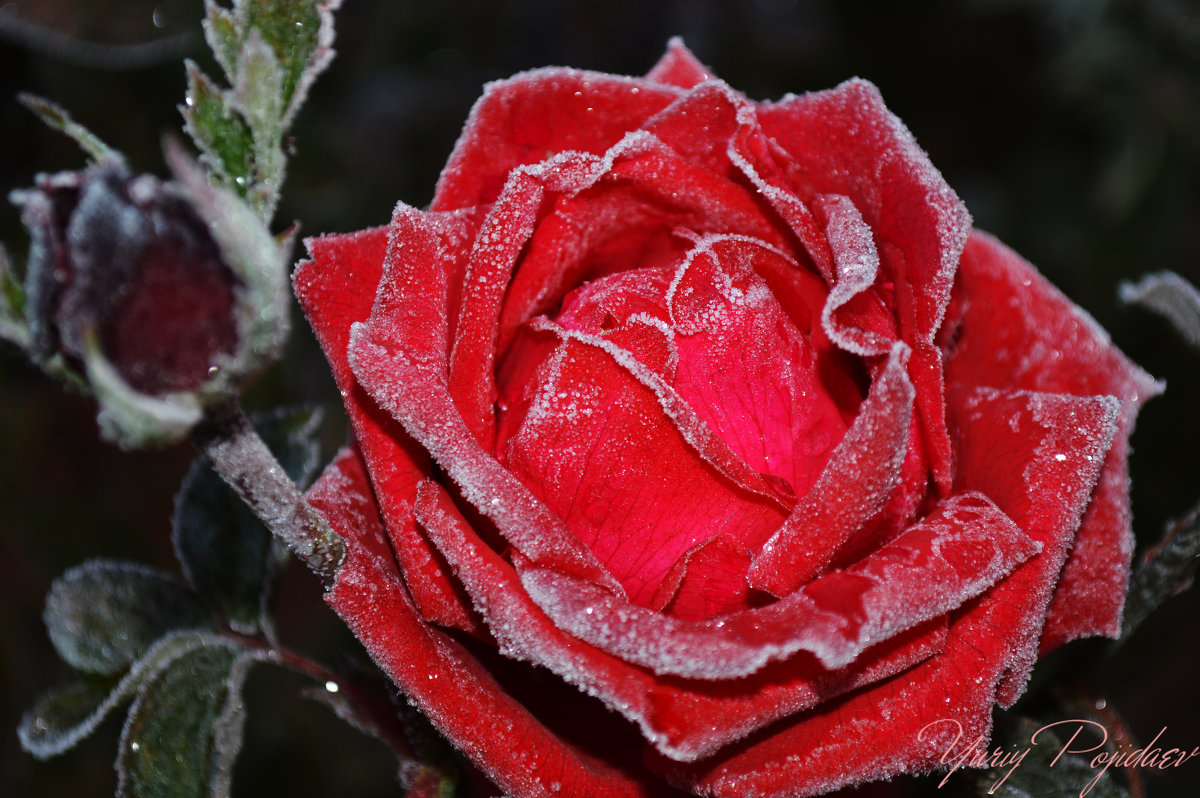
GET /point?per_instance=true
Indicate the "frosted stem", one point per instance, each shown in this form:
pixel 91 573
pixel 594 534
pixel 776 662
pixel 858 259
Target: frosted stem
pixel 238 454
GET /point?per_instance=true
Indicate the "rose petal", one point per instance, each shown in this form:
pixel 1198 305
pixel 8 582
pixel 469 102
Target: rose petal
pixel 744 369
pixel 598 450
pixel 1038 456
pixel 883 729
pixel 635 173
pixel 1010 442
pixel 416 394
pixel 678 67
pixel 631 217
pixel 683 719
pixel 512 746
pixel 1090 595
pixel 863 471
pixel 964 548
pixel 707 581
pixel 534 115
pixel 336 289
pixel 1018 331
pixel 844 141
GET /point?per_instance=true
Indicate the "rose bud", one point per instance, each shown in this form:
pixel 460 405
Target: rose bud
pixel 701 444
pixel 130 293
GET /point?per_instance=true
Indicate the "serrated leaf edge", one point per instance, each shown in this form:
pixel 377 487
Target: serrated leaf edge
pixel 214 16
pixel 319 61
pixel 124 746
pixel 229 726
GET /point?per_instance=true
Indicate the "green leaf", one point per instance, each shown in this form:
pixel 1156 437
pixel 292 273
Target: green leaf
pixel 104 615
pixel 222 34
pixel 1042 773
pixel 225 551
pixel 300 32
pixel 257 94
pixel 271 51
pixel 57 117
pixel 184 729
pixel 225 141
pixel 12 306
pixel 63 717
pixel 1167 569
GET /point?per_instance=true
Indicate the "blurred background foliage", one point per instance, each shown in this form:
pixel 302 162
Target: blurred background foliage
pixel 1071 128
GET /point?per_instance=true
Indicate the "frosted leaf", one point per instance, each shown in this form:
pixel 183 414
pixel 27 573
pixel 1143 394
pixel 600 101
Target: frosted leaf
pixel 63 717
pixel 1170 296
pixel 1045 771
pixel 103 615
pixel 1168 568
pixel 57 117
pixel 225 552
pixel 185 727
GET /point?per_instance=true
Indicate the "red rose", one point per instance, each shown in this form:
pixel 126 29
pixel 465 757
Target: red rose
pixel 719 414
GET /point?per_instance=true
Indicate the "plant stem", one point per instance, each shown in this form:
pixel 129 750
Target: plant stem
pixel 238 454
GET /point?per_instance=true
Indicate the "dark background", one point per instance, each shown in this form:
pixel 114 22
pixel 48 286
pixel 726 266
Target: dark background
pixel 1071 130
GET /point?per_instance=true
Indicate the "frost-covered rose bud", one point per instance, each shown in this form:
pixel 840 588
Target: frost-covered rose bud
pixel 148 292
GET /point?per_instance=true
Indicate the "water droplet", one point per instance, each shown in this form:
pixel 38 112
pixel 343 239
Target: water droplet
pixel 160 17
pixel 331 687
pixel 1060 457
pixel 135 746
pixel 1101 703
pixel 189 101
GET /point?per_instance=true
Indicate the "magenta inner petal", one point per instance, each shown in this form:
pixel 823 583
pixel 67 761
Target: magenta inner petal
pixel 597 449
pixel 680 405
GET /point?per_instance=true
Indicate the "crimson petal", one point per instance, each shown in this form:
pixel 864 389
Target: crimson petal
pixel 863 471
pixel 512 746
pixel 1021 333
pixel 534 115
pixel 336 289
pixel 964 547
pixel 683 719
pixel 1038 456
pixel 678 67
